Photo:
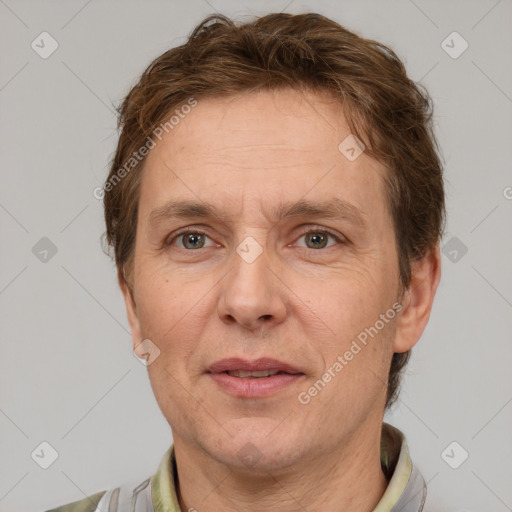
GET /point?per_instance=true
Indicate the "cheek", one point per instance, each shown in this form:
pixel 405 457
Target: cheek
pixel 349 297
pixel 172 316
pixel 161 303
pixel 344 309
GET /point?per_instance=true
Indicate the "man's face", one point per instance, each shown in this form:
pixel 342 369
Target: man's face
pixel 298 289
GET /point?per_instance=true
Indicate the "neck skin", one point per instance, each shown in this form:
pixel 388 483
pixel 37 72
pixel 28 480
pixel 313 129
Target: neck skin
pixel 348 478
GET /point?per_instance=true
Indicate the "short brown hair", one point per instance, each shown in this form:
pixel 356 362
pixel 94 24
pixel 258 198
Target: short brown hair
pixel 391 114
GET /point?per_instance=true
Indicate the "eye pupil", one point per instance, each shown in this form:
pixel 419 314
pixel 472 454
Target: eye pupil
pixel 316 238
pixel 193 237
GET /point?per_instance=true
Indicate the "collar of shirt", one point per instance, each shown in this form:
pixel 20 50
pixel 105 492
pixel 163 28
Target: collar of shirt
pixel 406 491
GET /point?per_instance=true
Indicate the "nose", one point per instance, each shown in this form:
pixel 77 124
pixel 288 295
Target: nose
pixel 252 294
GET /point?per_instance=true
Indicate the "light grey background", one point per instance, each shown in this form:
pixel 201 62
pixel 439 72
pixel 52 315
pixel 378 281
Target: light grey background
pixel 68 375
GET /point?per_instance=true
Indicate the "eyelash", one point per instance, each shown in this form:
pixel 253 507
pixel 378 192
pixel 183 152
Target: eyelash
pixel 305 231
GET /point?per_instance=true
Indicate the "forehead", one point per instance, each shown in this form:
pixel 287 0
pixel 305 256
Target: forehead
pixel 260 149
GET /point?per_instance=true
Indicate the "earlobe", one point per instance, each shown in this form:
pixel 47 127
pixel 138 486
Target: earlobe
pixel 418 300
pixel 131 310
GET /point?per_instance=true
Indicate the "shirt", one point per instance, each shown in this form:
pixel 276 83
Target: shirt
pixel 406 490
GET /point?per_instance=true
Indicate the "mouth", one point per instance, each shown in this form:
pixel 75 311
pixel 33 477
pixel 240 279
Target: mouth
pixel 255 375
pixel 253 379
pixel 257 367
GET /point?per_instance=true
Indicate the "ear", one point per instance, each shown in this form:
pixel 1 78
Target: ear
pixel 131 310
pixel 418 299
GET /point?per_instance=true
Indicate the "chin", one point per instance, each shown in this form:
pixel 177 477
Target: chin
pixel 258 444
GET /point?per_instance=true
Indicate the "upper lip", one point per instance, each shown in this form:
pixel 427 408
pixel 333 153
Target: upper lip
pixel 264 363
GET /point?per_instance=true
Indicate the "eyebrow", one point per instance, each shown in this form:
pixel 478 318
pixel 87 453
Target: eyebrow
pixel 335 208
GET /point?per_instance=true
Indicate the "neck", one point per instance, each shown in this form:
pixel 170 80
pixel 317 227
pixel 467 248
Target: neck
pixel 349 478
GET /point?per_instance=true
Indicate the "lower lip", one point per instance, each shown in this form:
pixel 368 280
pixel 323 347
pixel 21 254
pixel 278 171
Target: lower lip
pixel 256 387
